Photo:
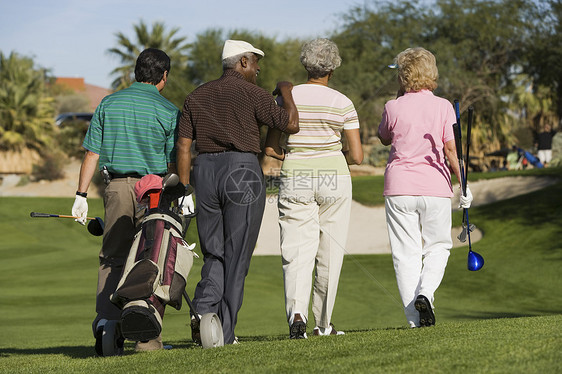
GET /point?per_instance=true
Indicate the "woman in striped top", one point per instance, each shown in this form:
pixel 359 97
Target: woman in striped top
pixel 315 190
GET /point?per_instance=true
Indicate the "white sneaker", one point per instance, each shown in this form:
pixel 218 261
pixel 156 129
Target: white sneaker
pixel 321 331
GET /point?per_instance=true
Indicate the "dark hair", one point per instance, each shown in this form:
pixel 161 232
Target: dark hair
pixel 151 65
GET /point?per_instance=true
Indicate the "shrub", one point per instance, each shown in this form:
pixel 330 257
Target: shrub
pixel 377 155
pixel 51 167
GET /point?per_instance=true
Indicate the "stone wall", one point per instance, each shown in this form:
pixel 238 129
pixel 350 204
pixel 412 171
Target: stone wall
pixel 18 162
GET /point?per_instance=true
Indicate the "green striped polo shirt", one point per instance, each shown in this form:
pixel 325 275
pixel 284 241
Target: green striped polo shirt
pixel 134 131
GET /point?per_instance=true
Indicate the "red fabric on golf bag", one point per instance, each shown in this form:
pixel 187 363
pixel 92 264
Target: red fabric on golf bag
pixel 154 275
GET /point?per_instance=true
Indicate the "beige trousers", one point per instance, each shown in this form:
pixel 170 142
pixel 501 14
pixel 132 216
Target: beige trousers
pixel 122 221
pixel 314 221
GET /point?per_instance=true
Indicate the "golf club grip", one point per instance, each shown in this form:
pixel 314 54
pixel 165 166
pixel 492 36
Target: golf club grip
pixel 469 126
pixel 468 133
pixel 47 215
pixel 457 112
pixel 458 143
pixel 41 215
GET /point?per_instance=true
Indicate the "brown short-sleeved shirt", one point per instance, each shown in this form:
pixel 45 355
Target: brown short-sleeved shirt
pixel 225 115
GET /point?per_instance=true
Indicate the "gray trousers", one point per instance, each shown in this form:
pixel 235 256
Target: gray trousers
pixel 230 193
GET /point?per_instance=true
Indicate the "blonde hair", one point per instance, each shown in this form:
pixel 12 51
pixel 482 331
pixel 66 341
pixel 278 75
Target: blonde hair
pixel 417 70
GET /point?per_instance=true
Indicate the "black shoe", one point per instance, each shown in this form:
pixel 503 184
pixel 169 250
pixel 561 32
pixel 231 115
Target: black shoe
pixel 423 306
pixel 298 328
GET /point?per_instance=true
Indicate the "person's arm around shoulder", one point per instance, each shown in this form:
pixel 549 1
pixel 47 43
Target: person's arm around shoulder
pixel 272 146
pixel 284 90
pixel 353 156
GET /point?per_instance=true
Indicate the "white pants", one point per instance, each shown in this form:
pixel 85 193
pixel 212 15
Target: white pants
pixel 314 221
pixel 545 156
pixel 419 229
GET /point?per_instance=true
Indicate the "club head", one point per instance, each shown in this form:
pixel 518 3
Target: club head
pixel 475 261
pixel 170 180
pixel 462 235
pixel 96 227
pixel 170 194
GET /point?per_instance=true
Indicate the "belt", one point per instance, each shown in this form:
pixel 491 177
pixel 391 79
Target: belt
pixel 216 152
pixel 109 176
pixel 226 151
pixel 131 175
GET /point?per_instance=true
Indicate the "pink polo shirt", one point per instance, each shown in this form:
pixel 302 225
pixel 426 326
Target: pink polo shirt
pixel 419 124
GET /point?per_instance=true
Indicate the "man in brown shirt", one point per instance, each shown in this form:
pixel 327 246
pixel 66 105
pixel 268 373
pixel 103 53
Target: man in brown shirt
pixel 223 117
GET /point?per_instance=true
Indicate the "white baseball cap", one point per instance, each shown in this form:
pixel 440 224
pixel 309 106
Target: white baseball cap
pixel 236 47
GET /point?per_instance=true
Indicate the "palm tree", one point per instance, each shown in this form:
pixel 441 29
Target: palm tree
pixel 26 110
pixel 128 51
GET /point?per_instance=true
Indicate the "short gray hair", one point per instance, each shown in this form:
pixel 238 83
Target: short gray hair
pixel 319 57
pixel 230 62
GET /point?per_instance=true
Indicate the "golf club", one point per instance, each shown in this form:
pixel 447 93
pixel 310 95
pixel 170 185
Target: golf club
pixel 169 180
pixel 188 191
pixel 463 234
pixel 95 226
pixel 475 261
pixel 465 228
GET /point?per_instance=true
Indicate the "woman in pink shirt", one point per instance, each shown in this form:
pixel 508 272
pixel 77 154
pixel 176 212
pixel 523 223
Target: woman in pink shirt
pixel 417 182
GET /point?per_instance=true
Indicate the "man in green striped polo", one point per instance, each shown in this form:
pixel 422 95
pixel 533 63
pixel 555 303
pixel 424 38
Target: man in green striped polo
pixel 132 134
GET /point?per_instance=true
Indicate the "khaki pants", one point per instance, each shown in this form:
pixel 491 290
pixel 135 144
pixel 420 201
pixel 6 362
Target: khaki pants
pixel 122 221
pixel 314 221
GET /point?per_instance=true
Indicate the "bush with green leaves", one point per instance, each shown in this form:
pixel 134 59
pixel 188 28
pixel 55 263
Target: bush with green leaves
pixel 378 155
pixel 51 167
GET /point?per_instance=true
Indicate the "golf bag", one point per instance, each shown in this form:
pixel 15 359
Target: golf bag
pixel 155 272
pixel 531 158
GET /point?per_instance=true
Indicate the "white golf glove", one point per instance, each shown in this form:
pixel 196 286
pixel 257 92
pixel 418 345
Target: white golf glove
pixel 80 209
pixel 465 201
pixel 186 205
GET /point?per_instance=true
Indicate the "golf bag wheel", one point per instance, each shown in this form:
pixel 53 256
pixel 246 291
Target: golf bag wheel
pixel 211 331
pixel 112 341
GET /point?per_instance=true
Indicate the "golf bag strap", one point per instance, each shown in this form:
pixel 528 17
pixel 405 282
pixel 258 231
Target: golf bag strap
pixel 164 217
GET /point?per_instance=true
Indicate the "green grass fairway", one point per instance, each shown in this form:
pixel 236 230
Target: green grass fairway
pixel 504 318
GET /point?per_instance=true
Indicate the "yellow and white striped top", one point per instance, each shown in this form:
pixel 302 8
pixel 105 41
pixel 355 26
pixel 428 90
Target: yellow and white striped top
pixel 323 114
